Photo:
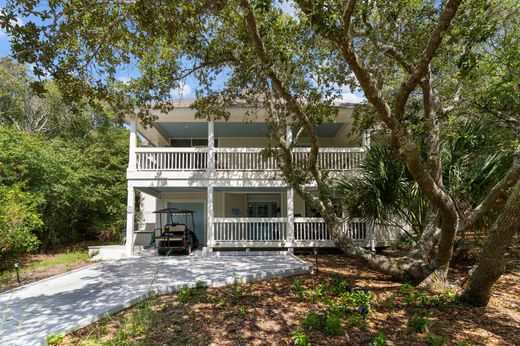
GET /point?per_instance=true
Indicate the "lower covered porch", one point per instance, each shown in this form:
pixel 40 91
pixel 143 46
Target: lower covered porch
pixel 238 219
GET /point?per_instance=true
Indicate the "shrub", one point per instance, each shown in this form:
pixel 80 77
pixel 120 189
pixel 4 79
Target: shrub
pixel 379 340
pixel 218 300
pixel 332 324
pixel 186 294
pixel 357 321
pixel 356 299
pixel 55 339
pixel 299 338
pixel 299 288
pixel 339 285
pixel 314 321
pixel 418 323
pixel 19 221
pixel 436 340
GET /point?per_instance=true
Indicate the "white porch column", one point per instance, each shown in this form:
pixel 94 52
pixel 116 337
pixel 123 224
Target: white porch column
pixel 211 145
pixel 130 218
pixel 132 144
pixel 366 139
pixel 290 219
pixel 290 201
pixel 209 231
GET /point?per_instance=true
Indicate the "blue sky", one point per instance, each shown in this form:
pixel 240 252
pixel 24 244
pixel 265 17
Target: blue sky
pixel 187 90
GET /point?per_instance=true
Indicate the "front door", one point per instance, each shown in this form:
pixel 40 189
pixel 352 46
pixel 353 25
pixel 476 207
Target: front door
pixel 263 209
pixel 198 216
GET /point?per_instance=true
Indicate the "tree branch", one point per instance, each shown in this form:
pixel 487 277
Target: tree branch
pixel 429 52
pixel 509 180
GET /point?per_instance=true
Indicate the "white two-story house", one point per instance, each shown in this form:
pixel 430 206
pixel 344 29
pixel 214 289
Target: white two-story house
pixel 240 201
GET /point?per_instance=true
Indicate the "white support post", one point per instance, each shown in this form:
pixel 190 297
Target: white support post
pixel 366 139
pixel 130 219
pixel 290 219
pixel 372 235
pixel 210 229
pixel 290 201
pixel 211 146
pixel 132 145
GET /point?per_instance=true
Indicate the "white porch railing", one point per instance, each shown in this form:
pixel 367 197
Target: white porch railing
pixel 334 159
pixel 272 231
pixel 250 229
pixel 243 159
pixel 315 229
pixel 238 159
pixel 171 159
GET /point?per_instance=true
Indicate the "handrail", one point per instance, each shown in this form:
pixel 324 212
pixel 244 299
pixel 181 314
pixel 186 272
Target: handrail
pixel 171 150
pixel 249 219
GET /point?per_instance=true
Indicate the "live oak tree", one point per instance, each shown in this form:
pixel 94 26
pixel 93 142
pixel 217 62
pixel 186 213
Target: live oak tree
pixel 415 62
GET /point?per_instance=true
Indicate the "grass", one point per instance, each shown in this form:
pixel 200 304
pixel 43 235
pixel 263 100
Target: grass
pixel 41 262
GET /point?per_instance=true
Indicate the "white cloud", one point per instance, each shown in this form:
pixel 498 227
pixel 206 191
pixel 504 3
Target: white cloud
pixel 182 91
pixel 349 97
pixel 287 7
pixel 123 79
pixel 17 22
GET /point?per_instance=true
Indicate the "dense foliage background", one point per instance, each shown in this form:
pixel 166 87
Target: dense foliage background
pixel 62 174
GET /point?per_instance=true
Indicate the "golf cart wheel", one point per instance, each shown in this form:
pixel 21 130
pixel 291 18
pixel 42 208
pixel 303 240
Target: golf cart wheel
pixel 161 252
pixel 188 250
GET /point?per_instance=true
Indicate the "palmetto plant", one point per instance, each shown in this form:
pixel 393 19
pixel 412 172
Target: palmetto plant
pixel 473 161
pixel 383 191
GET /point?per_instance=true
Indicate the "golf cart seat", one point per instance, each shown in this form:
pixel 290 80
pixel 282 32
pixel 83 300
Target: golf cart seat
pixel 177 227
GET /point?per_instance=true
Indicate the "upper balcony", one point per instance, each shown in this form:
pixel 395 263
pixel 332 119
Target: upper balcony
pixel 180 147
pixel 153 159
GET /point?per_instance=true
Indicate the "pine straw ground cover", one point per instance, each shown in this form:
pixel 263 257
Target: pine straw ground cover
pixel 342 304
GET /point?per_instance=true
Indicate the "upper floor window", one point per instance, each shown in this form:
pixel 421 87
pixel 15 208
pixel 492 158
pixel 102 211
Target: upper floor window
pixel 190 142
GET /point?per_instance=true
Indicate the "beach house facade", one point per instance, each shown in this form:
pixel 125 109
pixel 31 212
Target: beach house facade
pixel 240 200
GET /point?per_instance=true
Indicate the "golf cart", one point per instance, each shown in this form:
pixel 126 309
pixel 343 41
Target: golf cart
pixel 173 235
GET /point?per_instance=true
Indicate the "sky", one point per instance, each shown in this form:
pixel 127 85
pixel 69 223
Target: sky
pixel 187 89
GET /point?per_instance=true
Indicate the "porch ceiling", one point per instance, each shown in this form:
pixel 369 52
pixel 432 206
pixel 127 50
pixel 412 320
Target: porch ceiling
pixel 230 129
pixel 156 191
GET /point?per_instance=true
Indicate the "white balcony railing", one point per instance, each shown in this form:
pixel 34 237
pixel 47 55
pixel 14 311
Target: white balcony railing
pixel 315 229
pixel 269 230
pixel 250 229
pixel 239 159
pixel 171 159
pixel 243 159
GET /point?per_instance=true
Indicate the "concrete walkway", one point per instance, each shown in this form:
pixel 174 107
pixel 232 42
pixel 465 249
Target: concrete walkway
pixel 73 300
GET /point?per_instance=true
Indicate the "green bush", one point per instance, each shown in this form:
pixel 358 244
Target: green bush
pixel 186 294
pixel 339 285
pixel 314 321
pixel 19 224
pixel 436 340
pixel 379 340
pixel 418 323
pixel 299 338
pixel 332 324
pixel 353 300
pixel 357 321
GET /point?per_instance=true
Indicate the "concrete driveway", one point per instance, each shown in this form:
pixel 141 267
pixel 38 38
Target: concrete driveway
pixel 73 300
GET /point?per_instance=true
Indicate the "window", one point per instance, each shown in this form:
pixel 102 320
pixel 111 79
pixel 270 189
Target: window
pixel 190 142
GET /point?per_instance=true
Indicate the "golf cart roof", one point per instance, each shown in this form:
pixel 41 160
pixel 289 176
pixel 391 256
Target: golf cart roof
pixel 176 211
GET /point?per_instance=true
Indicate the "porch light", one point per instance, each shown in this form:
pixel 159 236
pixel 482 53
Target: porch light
pixel 315 250
pixel 17 268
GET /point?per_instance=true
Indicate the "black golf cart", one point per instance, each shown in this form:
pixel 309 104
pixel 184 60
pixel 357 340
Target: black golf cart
pixel 173 235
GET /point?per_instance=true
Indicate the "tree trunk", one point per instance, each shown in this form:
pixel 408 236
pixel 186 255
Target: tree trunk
pixel 491 264
pixel 429 237
pixel 401 268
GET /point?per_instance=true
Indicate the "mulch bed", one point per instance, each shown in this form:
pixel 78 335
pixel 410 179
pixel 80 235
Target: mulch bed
pixel 270 311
